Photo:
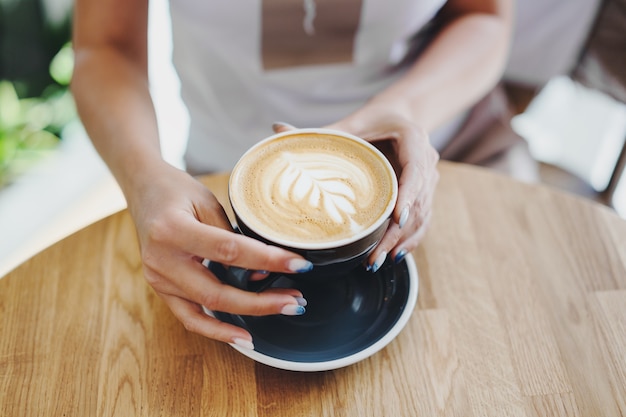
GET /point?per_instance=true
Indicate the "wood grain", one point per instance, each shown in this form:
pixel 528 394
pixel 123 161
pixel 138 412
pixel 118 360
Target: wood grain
pixel 521 312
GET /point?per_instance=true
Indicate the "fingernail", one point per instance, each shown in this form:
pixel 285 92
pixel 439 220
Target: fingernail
pixel 243 343
pixel 293 310
pixel 404 216
pixel 301 301
pixel 399 256
pixel 263 272
pixel 379 261
pixel 279 125
pixel 299 265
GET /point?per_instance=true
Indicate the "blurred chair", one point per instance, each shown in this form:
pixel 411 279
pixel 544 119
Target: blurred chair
pixel 582 43
pixel 602 66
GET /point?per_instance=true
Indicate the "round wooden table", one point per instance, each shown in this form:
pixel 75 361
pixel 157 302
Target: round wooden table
pixel 521 312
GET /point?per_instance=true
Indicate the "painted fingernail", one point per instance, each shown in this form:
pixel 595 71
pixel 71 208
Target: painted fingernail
pixel 301 301
pixel 399 256
pixel 404 216
pixel 246 344
pixel 281 125
pixel 293 310
pixel 379 261
pixel 299 265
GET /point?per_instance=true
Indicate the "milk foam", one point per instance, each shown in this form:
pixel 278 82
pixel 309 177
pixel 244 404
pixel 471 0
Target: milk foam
pixel 318 183
pixel 311 188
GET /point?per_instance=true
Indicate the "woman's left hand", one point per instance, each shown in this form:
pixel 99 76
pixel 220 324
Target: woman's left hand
pixel 415 160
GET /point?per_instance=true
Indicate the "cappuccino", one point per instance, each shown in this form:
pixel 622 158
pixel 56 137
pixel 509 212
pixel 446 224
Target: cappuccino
pixel 311 188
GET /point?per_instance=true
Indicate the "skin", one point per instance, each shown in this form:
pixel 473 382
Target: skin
pixel 179 222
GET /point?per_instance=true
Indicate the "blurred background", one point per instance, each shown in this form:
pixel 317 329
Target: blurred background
pixel 565 80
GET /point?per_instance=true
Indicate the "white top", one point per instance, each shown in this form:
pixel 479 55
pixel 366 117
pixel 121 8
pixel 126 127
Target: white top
pixel 235 60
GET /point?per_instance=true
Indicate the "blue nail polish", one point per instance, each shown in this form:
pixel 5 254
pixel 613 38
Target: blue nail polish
pixel 379 262
pixel 404 216
pixel 399 256
pixel 300 265
pixel 293 310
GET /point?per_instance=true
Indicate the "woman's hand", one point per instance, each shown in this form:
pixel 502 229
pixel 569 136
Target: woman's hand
pixel 415 161
pixel 180 223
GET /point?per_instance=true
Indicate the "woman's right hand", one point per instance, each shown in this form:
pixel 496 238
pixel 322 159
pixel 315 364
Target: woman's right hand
pixel 180 223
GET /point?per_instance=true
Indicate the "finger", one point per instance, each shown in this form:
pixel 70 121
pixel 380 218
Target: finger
pixel 230 248
pixel 198 284
pixel 418 167
pixel 259 275
pixel 379 255
pixel 412 241
pixel 195 320
pixel 297 294
pixel 410 184
pixel 395 244
pixel 163 285
pixel 411 191
pixel 398 241
pixel 423 203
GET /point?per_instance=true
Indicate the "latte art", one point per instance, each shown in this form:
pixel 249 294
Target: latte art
pixel 320 188
pixel 311 188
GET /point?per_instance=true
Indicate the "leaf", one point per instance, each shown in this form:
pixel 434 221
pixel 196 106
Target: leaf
pixel 10 114
pixel 322 185
pixel 62 65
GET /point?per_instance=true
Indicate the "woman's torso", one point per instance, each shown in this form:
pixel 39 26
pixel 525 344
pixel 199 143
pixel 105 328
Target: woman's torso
pixel 244 64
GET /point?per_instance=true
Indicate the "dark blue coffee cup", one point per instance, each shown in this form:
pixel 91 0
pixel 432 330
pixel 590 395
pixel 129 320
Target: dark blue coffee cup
pixel 330 258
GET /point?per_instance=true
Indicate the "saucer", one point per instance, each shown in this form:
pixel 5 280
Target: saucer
pixel 347 319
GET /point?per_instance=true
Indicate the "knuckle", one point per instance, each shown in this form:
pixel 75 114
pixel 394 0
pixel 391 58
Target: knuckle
pixel 150 261
pixel 158 282
pixel 227 251
pixel 212 300
pixel 190 324
pixel 423 221
pixel 159 230
pixel 419 207
pixel 152 279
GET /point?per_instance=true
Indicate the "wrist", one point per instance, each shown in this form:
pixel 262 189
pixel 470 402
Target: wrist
pixel 138 175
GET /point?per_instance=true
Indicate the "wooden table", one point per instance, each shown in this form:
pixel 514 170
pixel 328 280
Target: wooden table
pixel 521 312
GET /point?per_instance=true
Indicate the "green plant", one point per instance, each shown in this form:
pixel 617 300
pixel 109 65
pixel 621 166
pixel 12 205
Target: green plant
pixel 32 126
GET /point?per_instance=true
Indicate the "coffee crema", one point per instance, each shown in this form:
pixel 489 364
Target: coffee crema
pixel 311 188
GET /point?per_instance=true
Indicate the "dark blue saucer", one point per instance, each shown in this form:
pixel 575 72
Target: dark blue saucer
pixel 347 318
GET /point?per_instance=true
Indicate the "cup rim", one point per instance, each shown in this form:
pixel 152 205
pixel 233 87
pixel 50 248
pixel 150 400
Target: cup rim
pixel 335 243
